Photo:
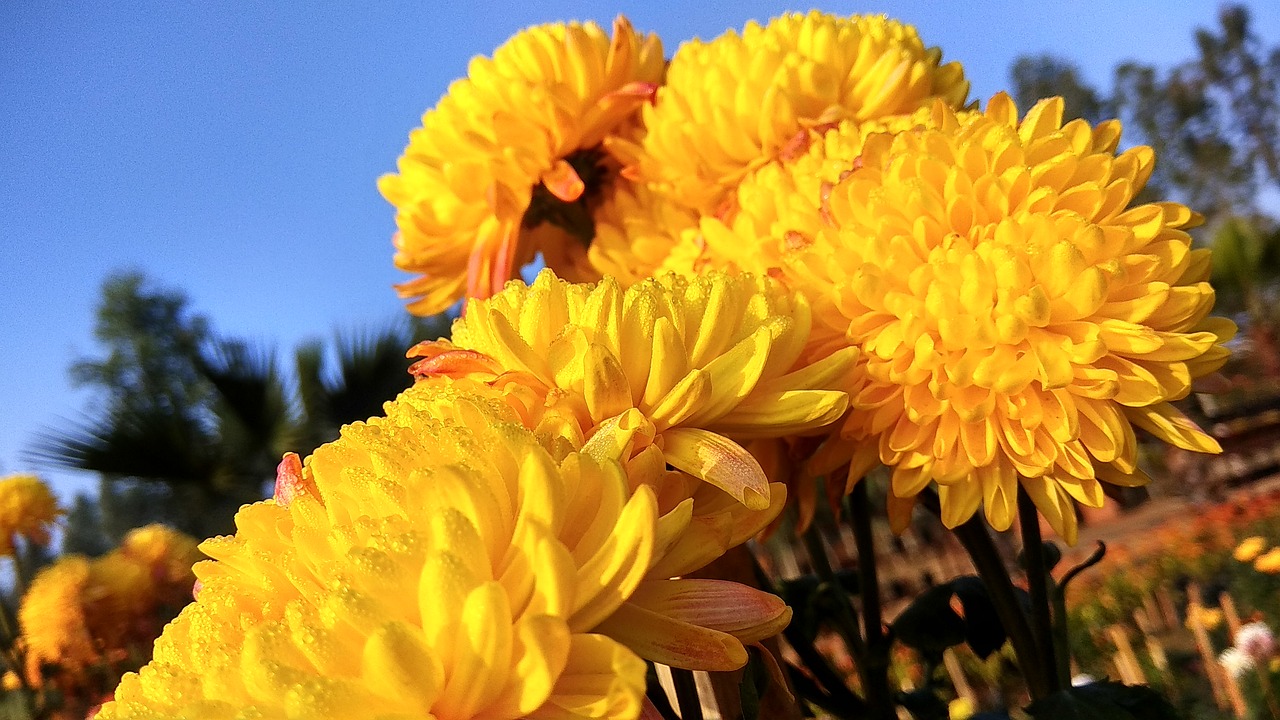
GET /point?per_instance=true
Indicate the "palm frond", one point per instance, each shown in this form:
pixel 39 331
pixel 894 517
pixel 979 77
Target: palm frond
pixel 151 446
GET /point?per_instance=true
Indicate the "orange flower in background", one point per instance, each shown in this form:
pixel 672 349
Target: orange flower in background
pixel 53 623
pixel 1016 317
pixel 27 509
pixel 512 162
pixel 79 613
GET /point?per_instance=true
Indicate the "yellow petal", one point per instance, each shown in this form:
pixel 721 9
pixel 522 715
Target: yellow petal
pixel 783 413
pixel 719 461
pixel 541 651
pixel 604 384
pixel 1169 424
pixel 672 642
pixel 483 652
pixel 399 666
pixel 611 575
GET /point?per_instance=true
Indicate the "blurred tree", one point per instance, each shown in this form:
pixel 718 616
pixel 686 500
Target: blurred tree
pixel 1040 76
pixel 1213 121
pixel 191 426
pixel 371 368
pixel 1246 263
pixel 176 439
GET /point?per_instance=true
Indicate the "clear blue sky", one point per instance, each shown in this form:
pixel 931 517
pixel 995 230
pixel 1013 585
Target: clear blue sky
pixel 231 149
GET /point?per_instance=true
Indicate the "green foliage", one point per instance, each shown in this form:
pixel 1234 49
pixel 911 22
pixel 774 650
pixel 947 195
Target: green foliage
pixel 370 369
pixel 188 426
pixel 1213 120
pixel 1040 76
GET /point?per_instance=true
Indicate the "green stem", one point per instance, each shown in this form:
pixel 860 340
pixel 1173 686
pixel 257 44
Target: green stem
pixel 876 652
pixel 1038 581
pixel 986 559
pixel 845 623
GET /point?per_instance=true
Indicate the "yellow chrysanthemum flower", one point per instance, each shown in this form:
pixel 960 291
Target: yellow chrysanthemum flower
pixel 52 620
pixel 677 369
pixel 733 104
pixel 511 162
pixel 777 210
pixel 636 232
pixel 166 556
pixel 27 509
pixel 1016 318
pixel 434 563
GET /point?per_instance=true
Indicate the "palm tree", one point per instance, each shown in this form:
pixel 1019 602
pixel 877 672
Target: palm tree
pixel 194 426
pixel 371 368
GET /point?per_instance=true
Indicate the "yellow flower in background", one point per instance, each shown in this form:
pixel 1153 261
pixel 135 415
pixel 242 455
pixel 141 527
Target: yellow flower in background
pixel 512 161
pixel 1016 317
pixel 1249 548
pixel 27 509
pixel 437 562
pixel 677 370
pixel 1268 562
pixel 166 556
pixel 739 101
pixel 960 709
pixel 53 623
pixel 11 681
pixel 1208 618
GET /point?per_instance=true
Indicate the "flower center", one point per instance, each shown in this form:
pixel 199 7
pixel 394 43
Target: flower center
pixel 571 212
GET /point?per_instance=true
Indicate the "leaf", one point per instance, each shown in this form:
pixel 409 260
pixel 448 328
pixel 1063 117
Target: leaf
pixel 983 630
pixel 929 624
pixel 1104 700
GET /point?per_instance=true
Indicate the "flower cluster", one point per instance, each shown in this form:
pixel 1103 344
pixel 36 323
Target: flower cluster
pixel 441 562
pixel 797 241
pixel 81 613
pixel 27 510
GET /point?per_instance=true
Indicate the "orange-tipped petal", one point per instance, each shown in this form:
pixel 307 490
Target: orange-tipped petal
pixel 719 461
pixel 563 181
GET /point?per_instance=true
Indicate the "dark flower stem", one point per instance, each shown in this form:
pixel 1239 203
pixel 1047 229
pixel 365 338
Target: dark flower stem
pixel 1038 580
pixel 686 694
pixel 875 658
pixel 836 698
pixel 845 623
pixel 986 559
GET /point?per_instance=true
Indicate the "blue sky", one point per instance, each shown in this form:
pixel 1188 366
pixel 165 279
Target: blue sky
pixel 232 149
